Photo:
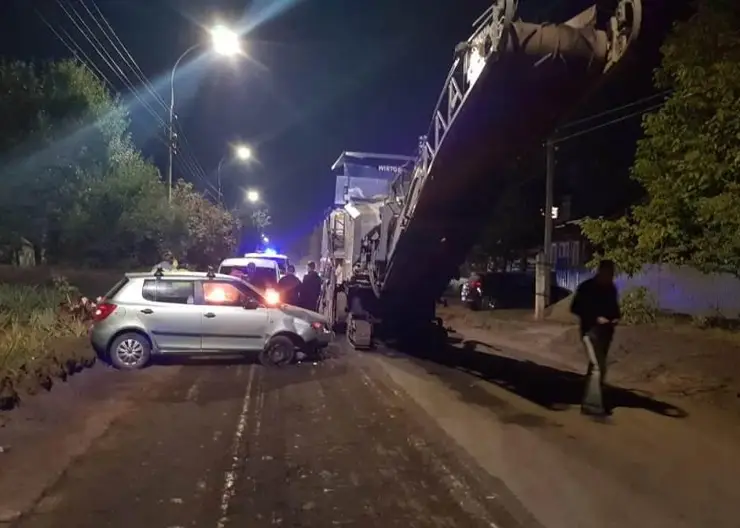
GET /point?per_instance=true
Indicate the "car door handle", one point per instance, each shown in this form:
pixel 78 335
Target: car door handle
pixel 147 311
pixel 210 315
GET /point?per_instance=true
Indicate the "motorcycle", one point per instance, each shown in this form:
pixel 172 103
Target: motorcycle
pixel 472 296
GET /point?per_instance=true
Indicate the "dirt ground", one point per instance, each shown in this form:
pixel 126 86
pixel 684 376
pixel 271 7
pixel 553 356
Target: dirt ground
pixel 64 357
pixel 667 359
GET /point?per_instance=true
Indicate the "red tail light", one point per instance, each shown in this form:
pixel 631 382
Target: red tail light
pixel 103 310
pixel 476 284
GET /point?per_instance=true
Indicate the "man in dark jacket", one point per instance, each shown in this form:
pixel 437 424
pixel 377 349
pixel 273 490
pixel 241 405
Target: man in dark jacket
pixel 596 304
pixel 311 289
pixel 290 287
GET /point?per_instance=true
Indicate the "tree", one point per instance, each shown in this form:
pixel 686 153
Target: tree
pixel 517 222
pixel 210 232
pixel 78 188
pixel 59 121
pixel 261 219
pixel 121 217
pixel 688 162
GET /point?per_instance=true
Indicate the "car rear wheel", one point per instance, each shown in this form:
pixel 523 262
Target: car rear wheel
pixel 131 351
pixel 280 351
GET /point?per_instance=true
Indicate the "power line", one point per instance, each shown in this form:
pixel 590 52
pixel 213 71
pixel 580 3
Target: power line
pixel 120 47
pixel 189 163
pixel 190 160
pixel 614 110
pixel 87 33
pixel 75 49
pixel 608 123
pixel 188 151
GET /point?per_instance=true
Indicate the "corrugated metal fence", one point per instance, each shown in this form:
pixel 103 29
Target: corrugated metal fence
pixel 676 289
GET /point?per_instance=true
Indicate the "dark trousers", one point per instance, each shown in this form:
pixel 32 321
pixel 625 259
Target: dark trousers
pixel 596 343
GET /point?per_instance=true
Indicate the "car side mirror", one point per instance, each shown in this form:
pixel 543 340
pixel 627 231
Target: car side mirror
pixel 251 304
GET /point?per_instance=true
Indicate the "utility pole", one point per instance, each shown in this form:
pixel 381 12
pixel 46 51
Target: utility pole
pixel 171 145
pixel 544 259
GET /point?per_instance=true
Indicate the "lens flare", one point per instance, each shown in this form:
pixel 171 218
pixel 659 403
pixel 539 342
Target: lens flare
pixel 272 297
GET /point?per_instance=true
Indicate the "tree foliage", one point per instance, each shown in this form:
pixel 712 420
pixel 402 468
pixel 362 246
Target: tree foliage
pixel 689 159
pixel 261 219
pixel 210 231
pixel 74 185
pixel 517 222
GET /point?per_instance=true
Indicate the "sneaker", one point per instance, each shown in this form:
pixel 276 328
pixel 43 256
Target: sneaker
pixel 595 412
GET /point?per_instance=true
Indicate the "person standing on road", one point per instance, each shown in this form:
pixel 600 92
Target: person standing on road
pixel 596 304
pixel 290 287
pixel 311 288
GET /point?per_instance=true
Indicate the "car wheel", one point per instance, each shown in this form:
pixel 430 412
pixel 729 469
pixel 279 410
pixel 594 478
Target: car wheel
pixel 279 351
pixel 130 351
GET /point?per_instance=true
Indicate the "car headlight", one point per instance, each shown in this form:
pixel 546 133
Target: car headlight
pixel 272 297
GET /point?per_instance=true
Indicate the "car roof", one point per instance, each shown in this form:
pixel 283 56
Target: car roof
pixel 179 274
pixel 243 261
pixel 265 255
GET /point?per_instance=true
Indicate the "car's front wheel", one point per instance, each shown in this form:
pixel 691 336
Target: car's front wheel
pixel 130 351
pixel 279 351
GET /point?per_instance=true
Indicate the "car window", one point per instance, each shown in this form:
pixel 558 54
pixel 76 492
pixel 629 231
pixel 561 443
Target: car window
pixel 116 288
pixel 226 294
pixel 262 278
pixel 167 291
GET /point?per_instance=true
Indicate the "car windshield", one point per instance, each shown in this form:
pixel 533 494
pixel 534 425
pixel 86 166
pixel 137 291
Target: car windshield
pixel 262 278
pixel 281 262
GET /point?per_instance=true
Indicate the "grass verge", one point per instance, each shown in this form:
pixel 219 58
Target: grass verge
pixel 40 339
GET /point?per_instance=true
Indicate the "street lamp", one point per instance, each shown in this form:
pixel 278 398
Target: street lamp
pixel 253 196
pixel 242 153
pixel 265 239
pixel 224 42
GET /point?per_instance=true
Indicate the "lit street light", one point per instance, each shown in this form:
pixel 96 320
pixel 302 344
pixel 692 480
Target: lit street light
pixel 242 153
pixel 265 239
pixel 224 42
pixel 253 196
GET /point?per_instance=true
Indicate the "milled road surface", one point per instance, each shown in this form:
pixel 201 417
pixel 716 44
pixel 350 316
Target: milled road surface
pixel 236 445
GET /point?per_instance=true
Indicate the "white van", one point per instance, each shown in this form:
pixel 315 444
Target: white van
pixel 267 274
pixel 281 260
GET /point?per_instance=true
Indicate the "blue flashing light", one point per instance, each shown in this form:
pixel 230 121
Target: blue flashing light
pixel 270 251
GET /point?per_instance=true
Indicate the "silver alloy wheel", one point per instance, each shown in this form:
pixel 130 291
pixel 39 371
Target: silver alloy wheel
pixel 130 352
pixel 278 354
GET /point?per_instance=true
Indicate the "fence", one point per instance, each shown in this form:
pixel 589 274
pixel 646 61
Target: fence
pixel 676 289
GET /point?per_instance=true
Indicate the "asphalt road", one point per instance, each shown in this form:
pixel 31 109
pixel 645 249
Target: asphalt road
pixel 232 444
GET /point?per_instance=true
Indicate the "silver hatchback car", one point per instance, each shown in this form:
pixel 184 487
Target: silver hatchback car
pixel 146 314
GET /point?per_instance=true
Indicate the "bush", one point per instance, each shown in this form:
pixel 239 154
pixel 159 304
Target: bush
pixel 639 306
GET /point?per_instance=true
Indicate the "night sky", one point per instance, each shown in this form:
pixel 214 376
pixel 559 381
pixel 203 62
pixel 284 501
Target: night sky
pixel 322 77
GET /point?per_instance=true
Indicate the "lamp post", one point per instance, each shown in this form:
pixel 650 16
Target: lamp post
pixel 242 153
pixel 224 42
